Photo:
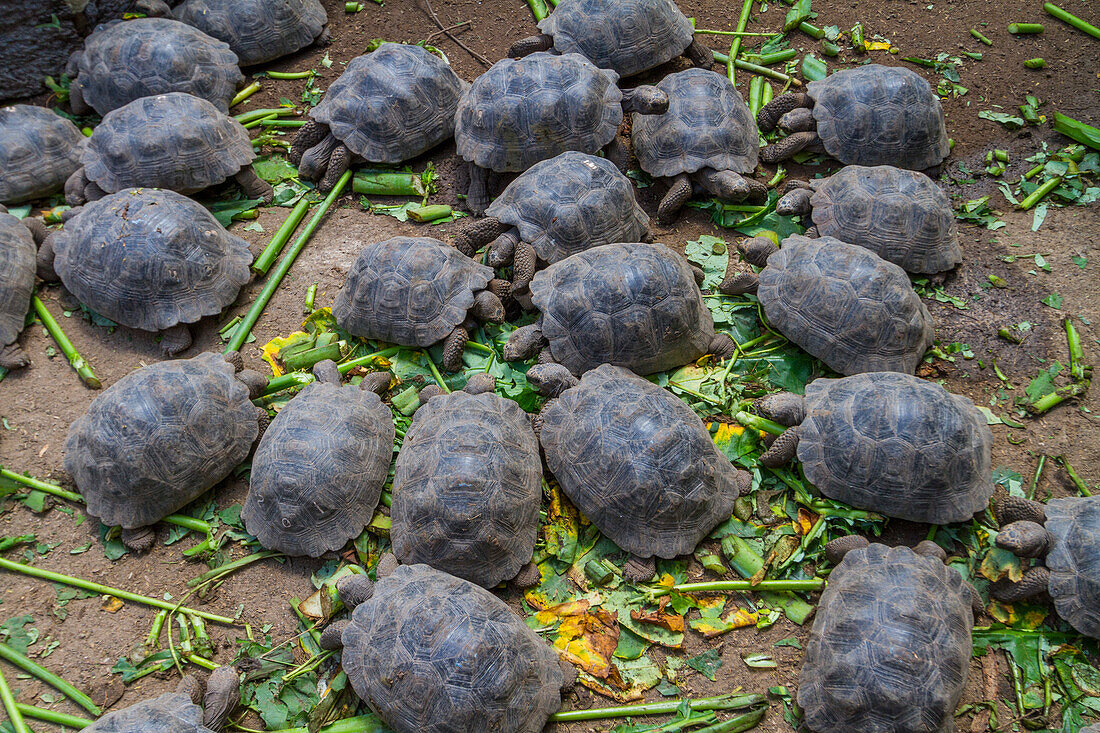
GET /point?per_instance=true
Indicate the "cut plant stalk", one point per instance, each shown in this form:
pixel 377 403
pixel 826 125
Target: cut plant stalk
pixel 743 34
pixel 1036 63
pixel 256 114
pixel 1073 20
pixel 811 30
pixel 1082 487
pixel 858 44
pixel 977 34
pixel 14 716
pixel 40 485
pixel 286 381
pixel 1079 131
pixel 1076 353
pixel 289 74
pixel 726 586
pixel 425 214
pixel 1038 194
pixel 538 9
pixel 387 183
pixel 735 47
pixel 278 240
pixel 258 122
pixel 1020 29
pixel 223 570
pixel 761 70
pixel 268 122
pixel 353 7
pixel 1057 397
pixel 311 295
pixel 829 48
pixel 65 688
pixel 745 721
pixel 722 702
pixel 245 93
pixel 75 359
pixel 53 716
pixel 772 58
pixel 756 94
pixel 9 542
pixel 1035 479
pixel 759 423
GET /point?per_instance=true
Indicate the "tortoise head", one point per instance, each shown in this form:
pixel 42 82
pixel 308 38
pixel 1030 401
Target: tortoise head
pixel 1025 539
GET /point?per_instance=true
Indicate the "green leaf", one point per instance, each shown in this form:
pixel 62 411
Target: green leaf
pixel 789 641
pixel 1080 261
pixel 1010 122
pixel 759 661
pixel 1054 300
pixel 274 168
pixel 224 211
pixel 712 255
pixel 1043 383
pixel 16 636
pixel 706 663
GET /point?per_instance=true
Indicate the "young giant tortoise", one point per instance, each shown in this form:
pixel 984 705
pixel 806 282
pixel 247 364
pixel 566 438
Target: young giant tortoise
pixel 417 291
pixel 432 653
pixel 632 305
pixel 635 460
pixel 148 259
pixel 319 469
pixel 869 115
pixel 900 215
pixel 706 140
pixel 18 246
pixel 179 711
pixel 388 106
pixel 840 302
pixel 558 207
pixel 160 437
pixel 173 141
pixel 887 442
pixel 627 36
pixel 1066 535
pixel 38 151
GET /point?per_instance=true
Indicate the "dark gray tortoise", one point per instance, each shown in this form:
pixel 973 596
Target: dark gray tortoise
pixel 19 242
pixel 840 302
pixel 318 471
pixel 418 291
pixel 707 141
pixel 869 115
pixel 388 106
pixel 126 60
pixel 525 110
pixel 1065 534
pixel 38 151
pixel 558 207
pixel 636 461
pixel 627 36
pixel 890 646
pixel 174 141
pixel 887 442
pixel 633 305
pixel 148 259
pixel 160 437
pixel 432 653
pixel 179 711
pixel 468 486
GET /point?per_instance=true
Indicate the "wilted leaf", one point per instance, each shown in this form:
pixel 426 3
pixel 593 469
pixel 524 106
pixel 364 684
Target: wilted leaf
pixel 999 563
pixel 669 621
pixel 1018 615
pixel 585 636
pixel 759 661
pixel 622 602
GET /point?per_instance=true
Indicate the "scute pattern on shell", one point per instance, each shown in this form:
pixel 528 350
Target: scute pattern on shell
pixel 150 259
pixel 707 125
pixel 257 30
pixel 890 646
pixel 392 104
pixel 467 488
pixel 629 36
pixel 174 141
pixel 845 305
pixel 900 215
pixel 896 444
pixel 638 463
pixel 17 266
pixel 525 110
pixel 632 305
pixel 879 115
pixel 411 291
pixel 432 653
pixel 319 470
pixel 172 712
pixel 38 151
pixel 160 437
pixel 570 203
pixel 1074 562
pixel 126 60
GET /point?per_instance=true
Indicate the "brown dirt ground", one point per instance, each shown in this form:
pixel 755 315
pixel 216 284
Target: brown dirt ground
pixel 40 402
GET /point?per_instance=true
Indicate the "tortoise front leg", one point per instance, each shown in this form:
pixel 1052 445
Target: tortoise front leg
pixel 139 539
pixel 678 194
pixel 1034 582
pixel 770 113
pixel 790 146
pixel 92 192
pixel 477 195
pixel 699 55
pixel 76 99
pixel 44 259
pixel 308 136
pixel 38 230
pixel 476 234
pixel 74 187
pixel 315 161
pixel 782 451
pixel 453 346
pixel 639 569
pixel 13 357
pixel 175 340
pixel 524 261
pixel 253 186
pixel 338 162
pixel 531 44
pixel 221 698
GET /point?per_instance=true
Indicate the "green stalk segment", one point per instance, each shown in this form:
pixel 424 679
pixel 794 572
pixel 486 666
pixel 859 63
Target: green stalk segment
pixel 267 122
pixel 735 47
pixel 1082 487
pixel 311 296
pixel 829 48
pixel 1020 29
pixel 40 485
pixel 724 586
pixel 759 423
pixel 289 74
pixel 538 9
pixel 257 123
pixel 811 30
pixel 858 44
pixel 772 58
pixel 52 716
pixel 756 94
pixel 744 34
pixel 75 359
pixel 10 655
pixel 1037 195
pixel 294 379
pixel 1076 353
pixel 425 214
pixel 755 69
pixel 813 68
pixel 1036 63
pixel 977 34
pixel 1079 131
pixel 722 702
pixel 745 721
pixel 1073 20
pixel 245 93
pixel 1057 397
pixel 384 183
pixel 256 114
pixel 274 247
pixel 14 715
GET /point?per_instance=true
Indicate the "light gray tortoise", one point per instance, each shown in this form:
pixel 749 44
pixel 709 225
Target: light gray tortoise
pixel 869 115
pixel 706 141
pixel 557 208
pixel 525 110
pixel 635 460
pixel 388 106
pixel 179 711
pixel 432 653
pixel 148 259
pixel 887 442
pixel 418 291
pixel 890 645
pixel 1065 534
pixel 318 471
pixel 627 36
pixel 840 302
pixel 174 141
pixel 900 215
pixel 126 60
pixel 38 151
pixel 160 437
pixel 468 486
pixel 19 242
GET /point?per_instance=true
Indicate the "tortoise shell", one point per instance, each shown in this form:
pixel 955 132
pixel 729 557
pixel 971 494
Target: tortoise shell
pixel 257 31
pixel 174 141
pixel 638 463
pixel 160 437
pixel 898 445
pixel 17 267
pixel 39 150
pixel 707 125
pixel 525 110
pixel 570 203
pixel 433 653
pixel 845 305
pixel 172 712
pixel 319 470
pixel 411 291
pixel 150 259
pixel 1074 563
pixel 890 646
pixel 467 488
pixel 633 305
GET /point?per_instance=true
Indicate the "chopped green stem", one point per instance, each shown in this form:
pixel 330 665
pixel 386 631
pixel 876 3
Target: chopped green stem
pixel 1017 687
pixel 538 9
pixel 974 32
pixel 1074 21
pixel 230 567
pixel 756 94
pixel 1025 28
pixel 311 296
pixel 742 722
pixel 479 347
pixel 424 214
pixel 153 639
pixel 257 123
pixel 1037 195
pixel 360 724
pixel 257 114
pixel 269 122
pixel 289 74
pixel 41 485
pixel 1035 479
pixel 781 172
pixel 275 246
pixel 1079 131
pixel 696 395
pixel 1076 354
pixel 725 586
pixel 11 655
pixel 386 183
pixel 811 30
pixel 722 702
pixel 195 525
pixel 1082 487
pixel 759 423
pixel 14 716
pixel 1058 396
pixel 773 58
pixel 761 70
pixel 75 359
pixel 53 716
pixel 735 47
pixel 435 373
pixel 1035 63
pixel 9 542
pixel 244 94
pixel 296 379
pixel 307 667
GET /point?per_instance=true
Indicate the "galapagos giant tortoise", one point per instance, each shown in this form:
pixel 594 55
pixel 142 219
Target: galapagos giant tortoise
pixel 38 151
pixel 179 711
pixel 257 31
pixel 18 244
